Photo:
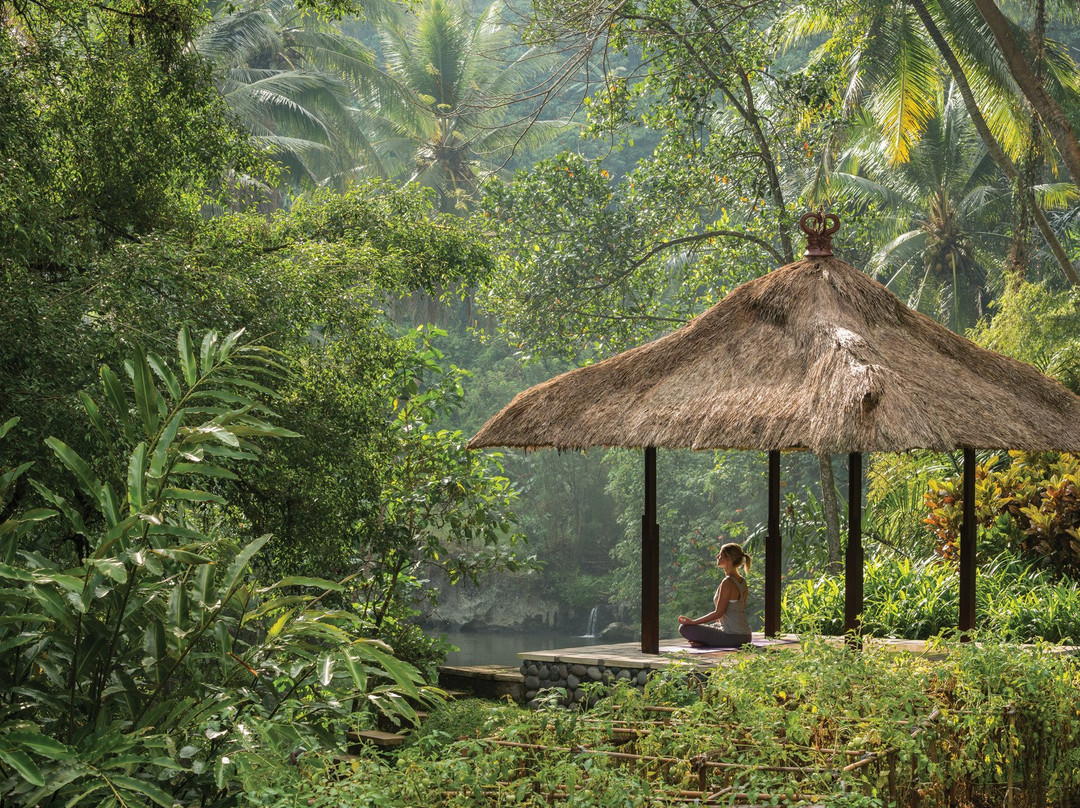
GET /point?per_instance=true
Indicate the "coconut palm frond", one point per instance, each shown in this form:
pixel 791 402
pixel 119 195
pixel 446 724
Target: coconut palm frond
pixel 1056 195
pixel 901 66
pixel 901 253
pixel 456 98
pixel 803 21
pixel 864 190
pixel 236 38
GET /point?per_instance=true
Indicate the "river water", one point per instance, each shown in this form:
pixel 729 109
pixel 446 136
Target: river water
pixel 501 648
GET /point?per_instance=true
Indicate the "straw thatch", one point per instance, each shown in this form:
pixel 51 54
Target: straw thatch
pixel 815 355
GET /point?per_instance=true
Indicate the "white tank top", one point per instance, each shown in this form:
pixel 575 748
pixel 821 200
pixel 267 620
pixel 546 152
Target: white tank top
pixel 734 619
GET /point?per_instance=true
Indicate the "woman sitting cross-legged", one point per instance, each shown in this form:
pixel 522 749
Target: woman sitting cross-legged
pixel 726 625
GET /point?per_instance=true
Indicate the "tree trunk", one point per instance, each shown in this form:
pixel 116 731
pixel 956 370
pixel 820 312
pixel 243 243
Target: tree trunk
pixel 1003 160
pixel 831 510
pixel 1023 73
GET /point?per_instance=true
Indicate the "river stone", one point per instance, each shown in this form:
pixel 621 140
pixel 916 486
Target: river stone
pixel 618 632
pixel 623 674
pixel 524 669
pixel 532 670
pixel 578 670
pixel 559 683
pixel 545 673
pixel 563 670
pixel 532 683
pixel 642 677
pixel 594 673
pixel 572 682
pixel 529 696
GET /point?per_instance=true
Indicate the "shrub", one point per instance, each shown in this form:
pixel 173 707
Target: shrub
pixel 916 600
pixel 975 725
pixel 152 669
pixel 1031 502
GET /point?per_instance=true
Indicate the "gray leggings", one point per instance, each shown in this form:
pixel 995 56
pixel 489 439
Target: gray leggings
pixel 713 636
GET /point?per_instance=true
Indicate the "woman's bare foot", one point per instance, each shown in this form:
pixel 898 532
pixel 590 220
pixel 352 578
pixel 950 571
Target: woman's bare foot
pixel 696 644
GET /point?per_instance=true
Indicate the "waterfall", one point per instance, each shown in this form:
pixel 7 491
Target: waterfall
pixel 592 629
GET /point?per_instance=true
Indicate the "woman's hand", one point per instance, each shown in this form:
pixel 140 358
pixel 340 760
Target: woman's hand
pixel 685 620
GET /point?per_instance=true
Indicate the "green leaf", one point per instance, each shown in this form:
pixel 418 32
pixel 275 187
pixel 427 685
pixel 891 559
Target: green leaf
pixel 37 515
pixel 7 425
pixel 146 394
pixel 111 568
pixel 73 516
pixel 70 458
pixel 356 671
pixel 13 474
pixel 204 584
pixel 240 563
pixel 21 762
pixel 137 478
pixel 110 505
pixel 41 744
pixel 114 392
pixel 179 608
pixel 142 787
pixel 207 352
pixel 187 357
pixel 184 556
pixel 164 372
pixel 320 583
pixel 326 669
pixel 161 452
pixel 279 624
pixel 216 432
pixel 95 414
pixel 227 345
pixel 191 495
pixel 16 574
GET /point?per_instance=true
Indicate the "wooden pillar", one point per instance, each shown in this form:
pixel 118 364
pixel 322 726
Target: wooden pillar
pixel 650 561
pixel 853 558
pixel 967 549
pixel 773 551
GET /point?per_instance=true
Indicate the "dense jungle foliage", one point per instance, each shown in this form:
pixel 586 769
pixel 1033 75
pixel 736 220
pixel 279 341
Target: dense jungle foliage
pixel 831 726
pixel 266 265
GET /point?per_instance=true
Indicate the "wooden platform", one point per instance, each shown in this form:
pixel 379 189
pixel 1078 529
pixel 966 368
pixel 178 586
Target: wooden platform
pixel 629 654
pixel 486 681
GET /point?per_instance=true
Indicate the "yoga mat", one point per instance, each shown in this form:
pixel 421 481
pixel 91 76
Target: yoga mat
pixel 688 649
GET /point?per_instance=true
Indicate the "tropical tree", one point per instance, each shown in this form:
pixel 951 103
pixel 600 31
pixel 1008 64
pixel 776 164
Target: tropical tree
pixel 944 255
pixel 897 56
pixel 291 78
pixel 139 664
pixel 949 194
pixel 466 81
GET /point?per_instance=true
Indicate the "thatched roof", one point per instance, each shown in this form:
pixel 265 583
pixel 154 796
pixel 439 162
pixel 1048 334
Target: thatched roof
pixel 815 355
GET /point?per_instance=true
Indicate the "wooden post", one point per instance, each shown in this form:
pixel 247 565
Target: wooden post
pixel 967 549
pixel 853 558
pixel 650 561
pixel 773 550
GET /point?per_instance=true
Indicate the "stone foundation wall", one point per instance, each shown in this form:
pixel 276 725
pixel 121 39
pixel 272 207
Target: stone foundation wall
pixel 541 676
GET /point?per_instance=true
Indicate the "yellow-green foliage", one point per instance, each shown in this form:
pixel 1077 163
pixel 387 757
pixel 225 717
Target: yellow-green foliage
pixel 1033 499
pixel 953 729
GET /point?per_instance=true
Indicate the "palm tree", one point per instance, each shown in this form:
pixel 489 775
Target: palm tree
pixel 951 202
pixel 467 115
pixel 897 68
pixel 292 81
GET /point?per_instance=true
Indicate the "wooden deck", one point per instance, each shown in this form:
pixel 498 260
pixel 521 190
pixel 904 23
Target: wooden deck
pixel 629 654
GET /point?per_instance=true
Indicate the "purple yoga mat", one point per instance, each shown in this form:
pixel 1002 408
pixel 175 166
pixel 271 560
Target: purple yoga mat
pixel 688 649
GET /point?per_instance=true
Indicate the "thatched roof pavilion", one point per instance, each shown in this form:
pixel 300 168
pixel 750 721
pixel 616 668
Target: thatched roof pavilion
pixel 815 355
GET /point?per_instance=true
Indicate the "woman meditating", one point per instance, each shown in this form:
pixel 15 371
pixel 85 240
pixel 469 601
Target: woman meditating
pixel 730 629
